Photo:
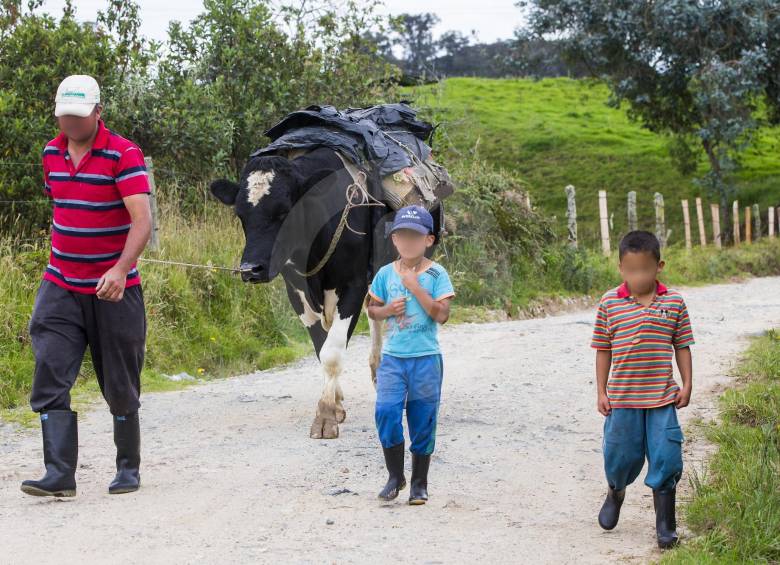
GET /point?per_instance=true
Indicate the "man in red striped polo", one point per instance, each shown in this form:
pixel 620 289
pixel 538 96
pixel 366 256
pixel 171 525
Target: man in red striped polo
pixel 639 326
pixel 91 290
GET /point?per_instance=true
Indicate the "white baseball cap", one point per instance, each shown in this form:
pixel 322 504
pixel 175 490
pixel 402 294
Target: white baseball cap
pixel 77 96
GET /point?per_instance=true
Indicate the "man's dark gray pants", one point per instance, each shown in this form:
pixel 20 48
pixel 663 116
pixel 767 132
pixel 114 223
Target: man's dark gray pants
pixel 64 323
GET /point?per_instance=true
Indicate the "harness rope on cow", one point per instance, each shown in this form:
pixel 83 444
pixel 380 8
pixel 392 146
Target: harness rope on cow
pixel 357 196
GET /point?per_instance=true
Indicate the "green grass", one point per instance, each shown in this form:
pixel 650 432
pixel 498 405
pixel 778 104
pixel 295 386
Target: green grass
pixel 735 511
pixel 517 265
pixel 204 322
pixel 556 132
pixel 565 273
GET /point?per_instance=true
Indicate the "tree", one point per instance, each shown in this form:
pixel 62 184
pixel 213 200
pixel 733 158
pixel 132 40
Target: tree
pixel 539 57
pixel 452 42
pixel 416 37
pixel 199 102
pixel 36 53
pixel 696 70
pixel 257 72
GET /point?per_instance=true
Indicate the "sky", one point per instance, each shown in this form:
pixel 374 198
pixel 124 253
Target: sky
pixel 490 19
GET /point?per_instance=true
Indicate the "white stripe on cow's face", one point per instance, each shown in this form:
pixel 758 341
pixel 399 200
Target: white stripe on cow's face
pixel 258 184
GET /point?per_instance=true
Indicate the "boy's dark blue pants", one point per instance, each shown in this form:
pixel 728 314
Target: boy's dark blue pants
pixel 416 383
pixel 631 434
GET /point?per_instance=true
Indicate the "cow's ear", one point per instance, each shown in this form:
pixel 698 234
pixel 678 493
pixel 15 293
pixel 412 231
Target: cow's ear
pixel 225 191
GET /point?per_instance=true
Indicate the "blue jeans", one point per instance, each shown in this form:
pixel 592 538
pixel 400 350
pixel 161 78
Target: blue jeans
pixel 631 434
pixel 416 383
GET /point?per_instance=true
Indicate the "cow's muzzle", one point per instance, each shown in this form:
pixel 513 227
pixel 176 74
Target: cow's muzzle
pixel 252 272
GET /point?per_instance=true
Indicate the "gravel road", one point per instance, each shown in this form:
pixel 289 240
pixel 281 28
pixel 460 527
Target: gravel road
pixel 229 474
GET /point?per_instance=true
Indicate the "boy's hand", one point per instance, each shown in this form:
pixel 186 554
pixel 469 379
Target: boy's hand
pixel 603 405
pixel 683 397
pixel 396 307
pixel 410 280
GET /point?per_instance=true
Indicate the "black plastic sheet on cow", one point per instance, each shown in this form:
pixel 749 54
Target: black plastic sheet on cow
pixel 380 136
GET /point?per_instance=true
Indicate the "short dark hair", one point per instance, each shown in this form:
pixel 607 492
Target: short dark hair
pixel 639 241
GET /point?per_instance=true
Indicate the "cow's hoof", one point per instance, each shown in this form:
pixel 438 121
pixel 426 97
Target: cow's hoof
pixel 326 422
pixel 324 428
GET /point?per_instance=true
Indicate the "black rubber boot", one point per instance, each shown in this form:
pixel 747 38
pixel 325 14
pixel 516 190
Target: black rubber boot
pixel 396 481
pixel 127 437
pixel 418 492
pixel 60 455
pixel 610 510
pixel 665 521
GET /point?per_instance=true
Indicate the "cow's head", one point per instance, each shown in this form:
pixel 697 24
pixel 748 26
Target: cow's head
pixel 263 198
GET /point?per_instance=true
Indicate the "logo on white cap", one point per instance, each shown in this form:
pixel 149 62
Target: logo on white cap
pixel 77 95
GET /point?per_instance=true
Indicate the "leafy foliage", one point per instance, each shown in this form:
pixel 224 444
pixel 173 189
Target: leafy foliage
pixel 199 102
pixel 690 69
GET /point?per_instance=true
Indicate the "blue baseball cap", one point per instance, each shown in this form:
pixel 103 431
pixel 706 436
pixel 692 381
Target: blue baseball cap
pixel 414 218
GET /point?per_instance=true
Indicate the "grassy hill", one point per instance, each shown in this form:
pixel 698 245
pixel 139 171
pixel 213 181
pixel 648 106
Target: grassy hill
pixel 555 132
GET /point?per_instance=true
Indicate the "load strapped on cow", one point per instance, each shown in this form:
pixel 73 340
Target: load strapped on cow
pixel 385 148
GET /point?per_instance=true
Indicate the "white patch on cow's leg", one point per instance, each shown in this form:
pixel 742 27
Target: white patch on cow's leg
pixel 330 411
pixel 258 185
pixel 376 330
pixel 309 316
pixel 330 301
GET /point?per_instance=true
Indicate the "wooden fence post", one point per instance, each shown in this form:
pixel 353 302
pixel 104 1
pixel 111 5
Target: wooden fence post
pixel 716 237
pixel 735 213
pixel 756 221
pixel 154 240
pixel 700 222
pixel 571 214
pixel 660 221
pixel 604 217
pixel 632 221
pixel 748 225
pixel 770 218
pixel 687 222
pixel 777 223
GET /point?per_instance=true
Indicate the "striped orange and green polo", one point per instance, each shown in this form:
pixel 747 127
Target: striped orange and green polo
pixel 642 340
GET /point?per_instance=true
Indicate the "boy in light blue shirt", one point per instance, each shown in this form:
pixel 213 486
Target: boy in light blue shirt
pixel 413 295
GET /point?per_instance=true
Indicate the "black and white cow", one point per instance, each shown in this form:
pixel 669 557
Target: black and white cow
pixel 290 211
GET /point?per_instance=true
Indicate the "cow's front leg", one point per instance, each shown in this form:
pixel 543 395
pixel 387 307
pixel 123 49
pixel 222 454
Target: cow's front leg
pixel 330 411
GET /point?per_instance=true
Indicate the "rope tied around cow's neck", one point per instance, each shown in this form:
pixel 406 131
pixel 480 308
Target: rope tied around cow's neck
pixel 357 196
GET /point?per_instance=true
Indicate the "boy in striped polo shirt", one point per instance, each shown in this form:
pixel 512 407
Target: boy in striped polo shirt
pixel 639 325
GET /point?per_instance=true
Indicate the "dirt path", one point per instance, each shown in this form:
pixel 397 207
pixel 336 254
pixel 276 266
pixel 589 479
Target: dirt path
pixel 229 474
